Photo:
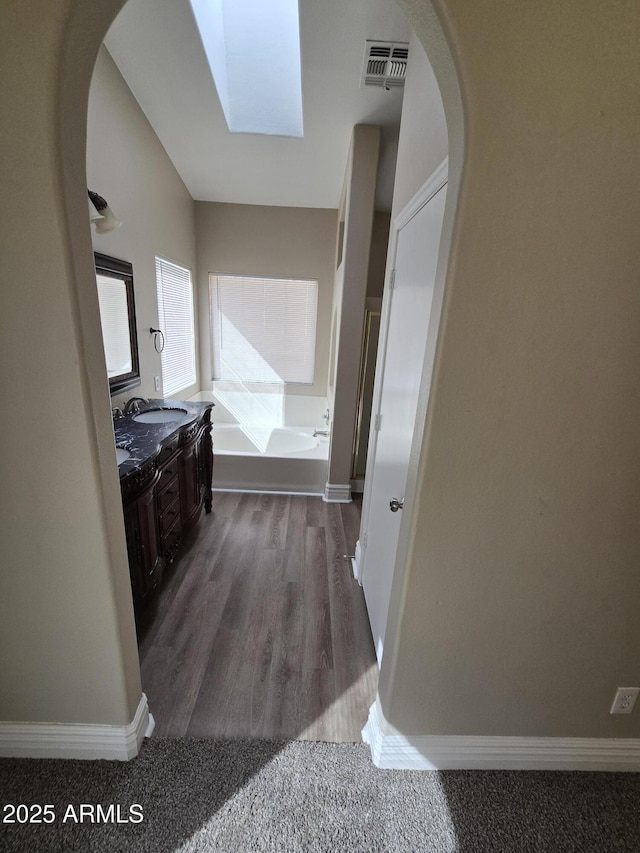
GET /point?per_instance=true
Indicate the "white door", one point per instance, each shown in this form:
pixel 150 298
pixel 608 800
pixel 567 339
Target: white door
pixel 417 246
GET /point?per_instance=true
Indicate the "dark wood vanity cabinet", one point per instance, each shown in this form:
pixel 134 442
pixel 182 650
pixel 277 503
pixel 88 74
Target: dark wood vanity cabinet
pixel 162 499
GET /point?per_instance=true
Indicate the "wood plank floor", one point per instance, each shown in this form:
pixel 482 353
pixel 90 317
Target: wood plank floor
pixel 260 629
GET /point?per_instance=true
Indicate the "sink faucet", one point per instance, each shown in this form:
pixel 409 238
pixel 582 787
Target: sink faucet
pixel 133 405
pixel 116 412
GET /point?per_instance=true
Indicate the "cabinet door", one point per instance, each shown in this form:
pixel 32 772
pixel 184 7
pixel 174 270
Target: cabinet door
pixel 189 485
pixel 205 466
pixel 141 527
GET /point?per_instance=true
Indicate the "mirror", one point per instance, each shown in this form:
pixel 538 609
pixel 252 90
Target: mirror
pixel 114 279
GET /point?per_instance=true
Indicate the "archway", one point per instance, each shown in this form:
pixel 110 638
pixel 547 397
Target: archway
pixel 81 35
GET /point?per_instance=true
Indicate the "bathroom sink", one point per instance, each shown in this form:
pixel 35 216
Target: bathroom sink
pixel 160 416
pixel 122 454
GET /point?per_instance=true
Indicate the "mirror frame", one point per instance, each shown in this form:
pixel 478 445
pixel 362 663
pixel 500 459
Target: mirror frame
pixel 123 271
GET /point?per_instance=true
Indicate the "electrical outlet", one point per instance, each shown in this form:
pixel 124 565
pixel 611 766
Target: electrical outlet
pixel 156 382
pixel 624 700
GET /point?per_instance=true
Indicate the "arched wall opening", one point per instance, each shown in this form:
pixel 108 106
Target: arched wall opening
pixel 523 538
pixel 83 38
pixel 524 565
pixel 68 648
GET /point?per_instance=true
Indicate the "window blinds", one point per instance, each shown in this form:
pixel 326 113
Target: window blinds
pixel 175 314
pixel 263 329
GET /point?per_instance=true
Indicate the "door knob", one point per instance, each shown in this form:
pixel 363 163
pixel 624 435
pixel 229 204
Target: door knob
pixel 395 504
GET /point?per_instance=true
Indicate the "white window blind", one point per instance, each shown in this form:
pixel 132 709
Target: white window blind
pixel 112 297
pixel 175 314
pixel 263 329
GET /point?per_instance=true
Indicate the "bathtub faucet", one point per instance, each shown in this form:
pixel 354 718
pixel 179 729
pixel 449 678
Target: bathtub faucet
pixel 327 417
pixel 318 432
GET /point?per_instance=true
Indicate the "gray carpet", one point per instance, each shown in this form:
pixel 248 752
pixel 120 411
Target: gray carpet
pixel 236 796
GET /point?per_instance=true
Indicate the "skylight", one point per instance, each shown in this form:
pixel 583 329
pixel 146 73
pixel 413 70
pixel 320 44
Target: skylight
pixel 253 48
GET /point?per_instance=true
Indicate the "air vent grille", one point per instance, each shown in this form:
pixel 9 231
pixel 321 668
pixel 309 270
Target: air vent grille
pixel 385 64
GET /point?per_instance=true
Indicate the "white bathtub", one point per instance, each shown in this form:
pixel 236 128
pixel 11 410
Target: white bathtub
pixel 268 454
pixel 280 441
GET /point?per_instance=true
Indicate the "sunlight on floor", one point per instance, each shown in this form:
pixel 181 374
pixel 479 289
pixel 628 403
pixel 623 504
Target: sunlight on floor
pixel 330 724
pixel 328 797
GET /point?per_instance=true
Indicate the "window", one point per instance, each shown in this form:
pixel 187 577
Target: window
pixel 263 329
pixel 253 50
pixel 175 314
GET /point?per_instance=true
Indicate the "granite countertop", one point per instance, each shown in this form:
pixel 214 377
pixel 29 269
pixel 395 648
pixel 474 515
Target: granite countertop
pixel 144 440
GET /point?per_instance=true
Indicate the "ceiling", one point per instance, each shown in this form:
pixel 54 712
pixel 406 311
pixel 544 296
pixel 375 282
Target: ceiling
pixel 157 47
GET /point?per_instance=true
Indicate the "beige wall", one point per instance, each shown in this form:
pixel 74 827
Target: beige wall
pixel 378 253
pixel 423 142
pixel 67 640
pixel 350 291
pixel 338 284
pixel 518 613
pixel 128 166
pixel 282 242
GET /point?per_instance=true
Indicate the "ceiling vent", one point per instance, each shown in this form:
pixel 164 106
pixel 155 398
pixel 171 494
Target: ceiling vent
pixel 385 64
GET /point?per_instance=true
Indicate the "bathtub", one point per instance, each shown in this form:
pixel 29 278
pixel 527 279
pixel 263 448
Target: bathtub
pixel 266 451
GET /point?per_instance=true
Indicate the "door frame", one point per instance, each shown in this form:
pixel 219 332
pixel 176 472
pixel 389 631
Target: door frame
pixel 427 191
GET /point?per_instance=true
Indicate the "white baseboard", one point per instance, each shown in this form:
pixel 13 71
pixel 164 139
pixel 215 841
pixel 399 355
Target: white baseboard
pixel 86 741
pixel 268 492
pixel 337 493
pixel 392 750
pixel 150 725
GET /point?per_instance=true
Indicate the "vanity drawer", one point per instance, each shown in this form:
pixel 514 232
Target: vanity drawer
pixel 168 474
pixel 168 449
pixel 169 515
pixel 168 495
